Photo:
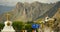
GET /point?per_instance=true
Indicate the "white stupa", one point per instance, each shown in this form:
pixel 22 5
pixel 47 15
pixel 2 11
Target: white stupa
pixel 8 26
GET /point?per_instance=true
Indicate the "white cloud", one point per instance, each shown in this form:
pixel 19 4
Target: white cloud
pixel 13 2
pixel 47 1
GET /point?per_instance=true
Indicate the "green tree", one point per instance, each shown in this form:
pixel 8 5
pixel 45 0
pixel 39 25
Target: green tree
pixel 1 26
pixel 28 27
pixel 18 25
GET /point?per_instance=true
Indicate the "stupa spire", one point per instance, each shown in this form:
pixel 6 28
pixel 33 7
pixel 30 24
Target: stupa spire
pixel 7 16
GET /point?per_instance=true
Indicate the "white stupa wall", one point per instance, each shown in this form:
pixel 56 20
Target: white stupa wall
pixel 8 28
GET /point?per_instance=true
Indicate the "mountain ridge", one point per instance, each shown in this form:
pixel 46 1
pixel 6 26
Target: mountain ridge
pixel 30 12
pixel 32 9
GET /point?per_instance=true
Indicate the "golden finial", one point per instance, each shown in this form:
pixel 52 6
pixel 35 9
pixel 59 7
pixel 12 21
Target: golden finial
pixel 7 16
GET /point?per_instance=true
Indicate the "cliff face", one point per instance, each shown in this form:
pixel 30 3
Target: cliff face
pixel 29 12
pixel 51 12
pixel 33 11
pixel 57 14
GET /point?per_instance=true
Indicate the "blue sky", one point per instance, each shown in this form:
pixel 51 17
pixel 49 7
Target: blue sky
pixel 13 2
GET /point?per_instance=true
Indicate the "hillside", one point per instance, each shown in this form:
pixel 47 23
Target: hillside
pixel 33 11
pixel 57 15
pixel 29 12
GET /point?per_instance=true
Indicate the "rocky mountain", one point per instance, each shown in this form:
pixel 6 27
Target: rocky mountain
pixel 53 10
pixel 57 14
pixel 33 11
